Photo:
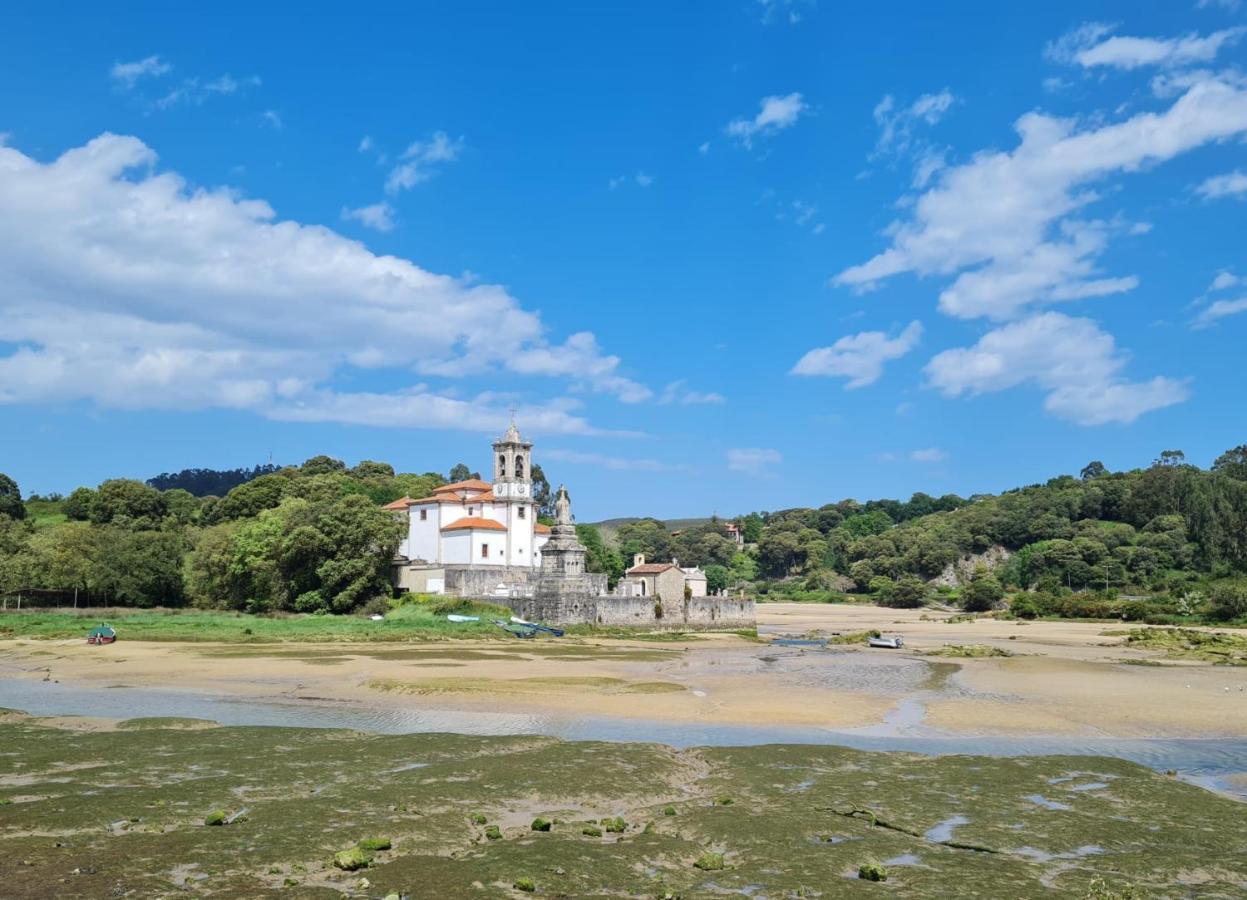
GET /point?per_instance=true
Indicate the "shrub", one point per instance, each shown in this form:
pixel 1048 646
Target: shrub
pixel 540 824
pixel 527 885
pixel 479 819
pixel 1024 607
pixel 615 826
pixel 982 593
pixel 668 810
pixel 493 832
pixel 1228 601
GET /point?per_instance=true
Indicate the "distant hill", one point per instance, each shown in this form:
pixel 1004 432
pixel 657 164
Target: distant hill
pixel 610 527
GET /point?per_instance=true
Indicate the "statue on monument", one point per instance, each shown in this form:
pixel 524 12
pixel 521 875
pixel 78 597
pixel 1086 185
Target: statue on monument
pixel 562 507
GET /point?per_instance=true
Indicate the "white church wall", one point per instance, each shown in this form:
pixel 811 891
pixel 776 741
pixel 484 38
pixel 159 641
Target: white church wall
pixel 457 547
pixel 423 534
pixel 495 541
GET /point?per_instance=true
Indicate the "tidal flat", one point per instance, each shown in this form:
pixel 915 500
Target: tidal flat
pixel 122 811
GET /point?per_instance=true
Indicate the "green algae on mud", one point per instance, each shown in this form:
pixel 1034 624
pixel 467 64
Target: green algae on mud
pixel 1217 647
pixel 1018 827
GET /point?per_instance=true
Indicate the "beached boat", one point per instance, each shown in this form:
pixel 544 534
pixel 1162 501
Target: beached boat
pixel 101 634
pixel 455 617
pixel 516 630
pixel 895 642
pixel 548 629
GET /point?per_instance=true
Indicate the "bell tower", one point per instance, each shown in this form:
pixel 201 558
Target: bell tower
pixel 513 466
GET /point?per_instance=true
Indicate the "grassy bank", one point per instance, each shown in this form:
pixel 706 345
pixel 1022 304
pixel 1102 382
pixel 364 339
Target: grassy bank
pixel 165 807
pixel 408 622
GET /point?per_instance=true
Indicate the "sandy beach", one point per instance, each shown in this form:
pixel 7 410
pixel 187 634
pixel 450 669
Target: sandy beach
pixel 1064 678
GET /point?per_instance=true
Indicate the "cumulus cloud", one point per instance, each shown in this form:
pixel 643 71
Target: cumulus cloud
pixel 378 216
pixel 775 114
pixel 753 460
pixel 859 357
pixel 1226 280
pixel 1231 184
pixel 1093 44
pixel 128 288
pixel 421 160
pixel 1005 222
pixel 1071 359
pixel 128 73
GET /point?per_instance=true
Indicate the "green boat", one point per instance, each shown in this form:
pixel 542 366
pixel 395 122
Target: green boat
pixel 101 634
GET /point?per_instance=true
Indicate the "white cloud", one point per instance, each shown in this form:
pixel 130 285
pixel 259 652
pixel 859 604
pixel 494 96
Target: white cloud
pixel 640 179
pixel 775 114
pixel 859 357
pixel 1231 184
pixel 782 11
pixel 613 463
pixel 703 148
pixel 127 288
pixel 365 144
pixel 1226 280
pixel 1230 5
pixel 896 125
pixel 1005 224
pixel 127 74
pixel 1219 310
pixel 753 460
pixel 420 161
pixel 272 117
pixel 378 216
pixel 928 455
pixel 678 392
pixel 1076 363
pixel 1094 45
pixel 194 92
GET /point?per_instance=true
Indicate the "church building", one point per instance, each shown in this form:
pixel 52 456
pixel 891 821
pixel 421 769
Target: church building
pixel 473 523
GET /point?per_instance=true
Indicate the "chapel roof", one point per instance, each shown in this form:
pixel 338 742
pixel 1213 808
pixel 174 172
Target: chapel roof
pixel 541 529
pixel 474 522
pixel 650 569
pixel 472 484
pixel 400 503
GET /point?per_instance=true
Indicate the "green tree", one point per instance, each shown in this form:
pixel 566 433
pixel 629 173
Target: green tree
pixel 78 504
pixel 1228 601
pixel 718 578
pixel 140 568
pixel 907 593
pixel 1233 463
pixel 460 472
pixel 1093 469
pixel 982 593
pixel 128 503
pixel 648 536
pixel 322 465
pixel 543 497
pixel 11 498
pixel 370 469
pixel 598 557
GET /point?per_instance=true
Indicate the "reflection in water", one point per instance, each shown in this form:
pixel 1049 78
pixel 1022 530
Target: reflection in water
pixel 1205 762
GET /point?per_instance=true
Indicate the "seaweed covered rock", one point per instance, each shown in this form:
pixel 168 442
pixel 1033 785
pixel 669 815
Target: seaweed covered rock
pixel 615 826
pixel 527 885
pixel 493 832
pixel 214 818
pixel 540 824
pixel 709 861
pixel 872 871
pixel 374 844
pixel 350 860
pixel 591 831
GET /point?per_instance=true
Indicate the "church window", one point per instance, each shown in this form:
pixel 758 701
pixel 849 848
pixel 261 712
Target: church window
pixel 519 467
pixel 521 512
pixel 484 551
pixel 471 510
pixel 502 465
pixel 424 515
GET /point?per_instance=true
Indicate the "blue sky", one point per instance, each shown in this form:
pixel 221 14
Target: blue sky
pixel 720 256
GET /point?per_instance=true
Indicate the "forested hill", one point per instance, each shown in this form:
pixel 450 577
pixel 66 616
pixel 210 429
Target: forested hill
pixel 1171 531
pixel 1172 537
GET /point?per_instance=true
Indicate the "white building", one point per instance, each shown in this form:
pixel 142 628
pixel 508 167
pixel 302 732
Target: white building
pixel 474 523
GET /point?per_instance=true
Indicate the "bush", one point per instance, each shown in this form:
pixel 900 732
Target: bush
pixel 540 824
pixel 1024 607
pixel 615 826
pixel 982 593
pixel 527 885
pixel 907 593
pixel 1228 601
pixel 493 832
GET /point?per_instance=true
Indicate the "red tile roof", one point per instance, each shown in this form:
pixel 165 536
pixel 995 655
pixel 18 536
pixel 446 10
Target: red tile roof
pixel 541 529
pixel 474 522
pixel 400 503
pixel 650 569
pixel 472 484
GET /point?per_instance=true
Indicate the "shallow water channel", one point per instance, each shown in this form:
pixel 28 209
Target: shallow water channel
pixel 1207 762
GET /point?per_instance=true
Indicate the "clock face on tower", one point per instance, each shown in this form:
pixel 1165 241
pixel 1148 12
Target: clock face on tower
pixel 521 489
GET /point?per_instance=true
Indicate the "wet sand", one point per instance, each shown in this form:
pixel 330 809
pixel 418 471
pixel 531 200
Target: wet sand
pixel 1066 678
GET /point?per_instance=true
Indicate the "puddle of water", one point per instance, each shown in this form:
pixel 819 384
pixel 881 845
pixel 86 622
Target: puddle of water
pixel 944 830
pixel 905 859
pixel 1089 786
pixel 1206 762
pixel 1040 800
